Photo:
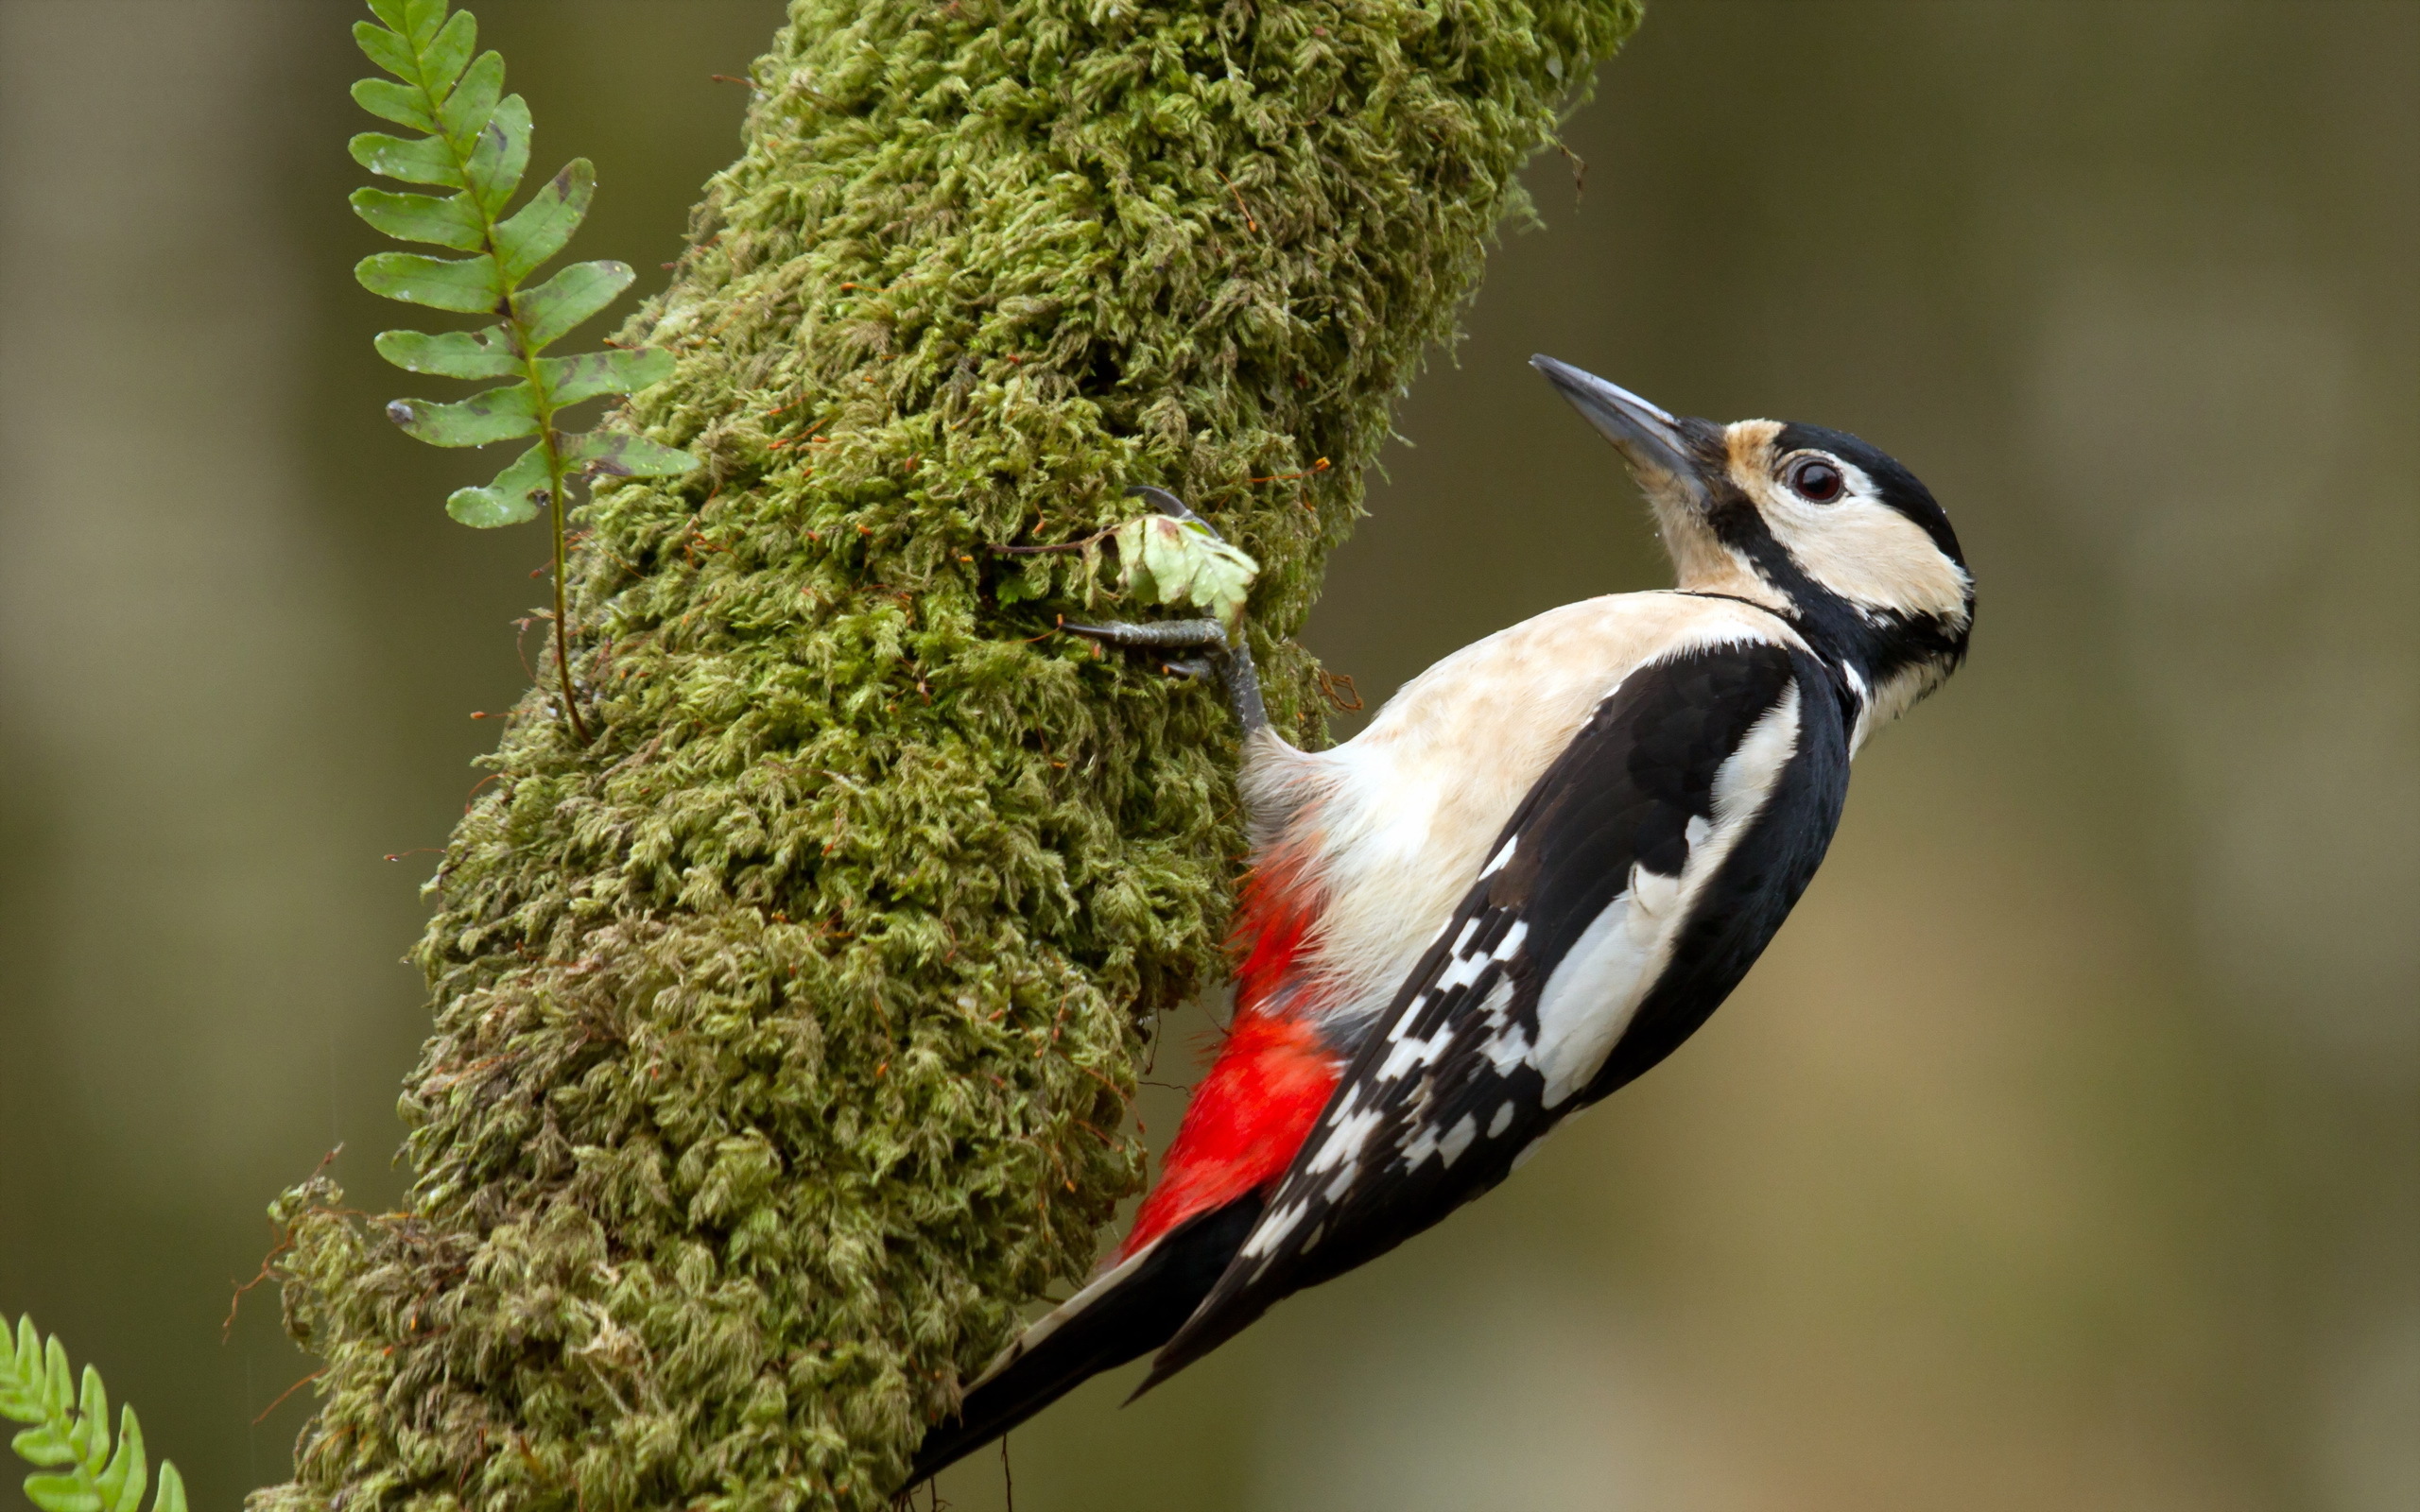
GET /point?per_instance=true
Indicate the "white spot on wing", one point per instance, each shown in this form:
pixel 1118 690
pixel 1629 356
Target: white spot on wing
pixel 1503 1120
pixel 1503 854
pixel 1410 1055
pixel 1510 945
pixel 1271 1231
pixel 1509 1050
pixel 1343 1142
pixel 1457 1139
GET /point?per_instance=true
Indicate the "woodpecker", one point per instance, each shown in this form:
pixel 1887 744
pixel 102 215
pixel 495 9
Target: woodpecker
pixel 1534 873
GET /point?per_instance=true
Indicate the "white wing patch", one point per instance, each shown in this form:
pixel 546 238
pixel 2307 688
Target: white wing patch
pixel 1589 1001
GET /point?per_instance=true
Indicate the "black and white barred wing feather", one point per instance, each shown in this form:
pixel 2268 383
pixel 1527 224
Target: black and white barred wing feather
pixel 1506 1024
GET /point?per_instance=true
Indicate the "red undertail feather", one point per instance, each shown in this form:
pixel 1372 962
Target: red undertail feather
pixel 1273 1073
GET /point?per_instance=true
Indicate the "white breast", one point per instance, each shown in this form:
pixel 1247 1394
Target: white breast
pixel 1392 826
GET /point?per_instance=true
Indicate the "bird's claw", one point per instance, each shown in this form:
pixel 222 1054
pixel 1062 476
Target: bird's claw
pixel 1230 661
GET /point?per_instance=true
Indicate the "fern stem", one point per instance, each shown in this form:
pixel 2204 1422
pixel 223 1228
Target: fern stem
pixel 549 436
pixel 553 444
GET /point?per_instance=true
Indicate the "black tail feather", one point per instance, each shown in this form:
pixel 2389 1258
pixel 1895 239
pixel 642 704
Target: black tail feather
pixel 1129 1320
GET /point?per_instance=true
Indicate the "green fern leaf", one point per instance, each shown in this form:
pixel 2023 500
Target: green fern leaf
pixel 627 456
pixel 476 142
pixel 463 111
pixel 70 1435
pixel 517 494
pixel 501 155
pixel 540 229
pixel 453 354
pixel 498 415
pixel 467 284
pixel 120 1482
pixel 431 160
pixel 392 52
pixel 548 312
pixel 391 100
pixel 455 222
pixel 571 380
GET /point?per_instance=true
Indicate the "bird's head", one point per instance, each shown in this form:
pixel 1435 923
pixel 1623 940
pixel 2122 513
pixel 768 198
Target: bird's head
pixel 1830 532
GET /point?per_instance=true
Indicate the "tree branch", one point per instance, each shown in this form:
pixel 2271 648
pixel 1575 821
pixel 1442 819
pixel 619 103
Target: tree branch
pixel 780 1033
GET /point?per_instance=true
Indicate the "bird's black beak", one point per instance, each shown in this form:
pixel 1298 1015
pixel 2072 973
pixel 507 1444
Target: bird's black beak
pixel 1650 439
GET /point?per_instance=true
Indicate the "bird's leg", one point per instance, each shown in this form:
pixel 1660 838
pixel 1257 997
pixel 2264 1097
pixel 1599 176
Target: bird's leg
pixel 1230 659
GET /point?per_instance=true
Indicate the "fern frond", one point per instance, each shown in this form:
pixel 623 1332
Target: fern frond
pixel 70 1433
pixel 476 144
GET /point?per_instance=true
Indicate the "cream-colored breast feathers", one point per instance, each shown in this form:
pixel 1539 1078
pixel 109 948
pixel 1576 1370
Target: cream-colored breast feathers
pixel 1388 829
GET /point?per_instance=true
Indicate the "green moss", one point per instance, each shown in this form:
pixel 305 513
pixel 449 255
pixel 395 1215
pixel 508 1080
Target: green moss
pixel 785 1035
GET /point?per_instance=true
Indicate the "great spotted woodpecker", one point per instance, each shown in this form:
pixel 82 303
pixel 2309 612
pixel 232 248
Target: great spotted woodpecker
pixel 1538 869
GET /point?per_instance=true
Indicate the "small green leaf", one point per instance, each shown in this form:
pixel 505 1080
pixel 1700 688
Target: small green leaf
pixel 518 494
pixel 465 112
pixel 426 161
pixel 452 354
pixel 498 415
pixel 447 51
pixel 623 455
pixel 46 1444
pixel 550 310
pixel 451 222
pixel 61 1493
pixel 390 12
pixel 390 50
pixel 502 156
pixel 1174 561
pixel 74 1433
pixel 569 380
pixel 89 1437
pixel 22 1375
pixel 539 229
pixel 467 284
pixel 392 101
pixel 121 1483
pixel 58 1395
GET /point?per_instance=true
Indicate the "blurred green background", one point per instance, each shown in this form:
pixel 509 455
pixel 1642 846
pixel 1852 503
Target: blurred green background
pixel 2063 1153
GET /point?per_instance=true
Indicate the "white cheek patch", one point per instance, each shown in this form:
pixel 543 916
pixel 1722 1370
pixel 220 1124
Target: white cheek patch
pixel 1867 552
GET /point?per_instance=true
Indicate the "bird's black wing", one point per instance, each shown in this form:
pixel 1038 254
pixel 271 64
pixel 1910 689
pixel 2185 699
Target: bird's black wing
pixel 1696 769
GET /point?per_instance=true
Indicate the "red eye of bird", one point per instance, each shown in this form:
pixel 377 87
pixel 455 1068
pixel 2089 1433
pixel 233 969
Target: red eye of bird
pixel 1815 480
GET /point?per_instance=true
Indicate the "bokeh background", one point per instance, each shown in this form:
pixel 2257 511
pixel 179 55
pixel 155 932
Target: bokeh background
pixel 2063 1153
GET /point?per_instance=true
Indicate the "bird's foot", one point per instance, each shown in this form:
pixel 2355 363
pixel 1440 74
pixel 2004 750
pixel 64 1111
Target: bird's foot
pixel 1230 661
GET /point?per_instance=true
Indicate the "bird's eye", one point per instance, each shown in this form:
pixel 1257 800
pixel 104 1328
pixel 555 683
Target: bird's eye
pixel 1815 480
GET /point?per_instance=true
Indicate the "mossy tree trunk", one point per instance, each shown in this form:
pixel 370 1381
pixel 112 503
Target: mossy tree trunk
pixel 785 1033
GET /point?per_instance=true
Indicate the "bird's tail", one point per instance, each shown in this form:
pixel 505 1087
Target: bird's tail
pixel 1128 1312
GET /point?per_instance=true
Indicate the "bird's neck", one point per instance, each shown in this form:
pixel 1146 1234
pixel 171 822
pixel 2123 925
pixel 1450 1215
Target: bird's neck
pixel 1885 660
